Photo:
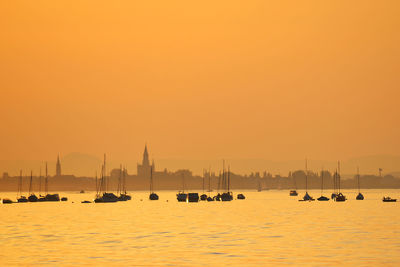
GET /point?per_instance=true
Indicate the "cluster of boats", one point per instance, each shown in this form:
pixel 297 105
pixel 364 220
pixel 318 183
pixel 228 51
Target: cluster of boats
pixel 336 195
pixel 31 195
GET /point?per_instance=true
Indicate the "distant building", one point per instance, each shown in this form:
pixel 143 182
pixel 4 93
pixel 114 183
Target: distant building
pixel 143 170
pixel 58 167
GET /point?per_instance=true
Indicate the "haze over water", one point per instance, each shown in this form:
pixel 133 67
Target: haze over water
pixel 267 228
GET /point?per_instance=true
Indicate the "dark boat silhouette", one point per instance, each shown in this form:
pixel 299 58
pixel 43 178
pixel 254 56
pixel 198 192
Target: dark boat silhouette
pixel 203 197
pixel 182 196
pixel 241 196
pixel 20 197
pixel 82 192
pixel 339 196
pixel 32 197
pixel 86 201
pixel 210 199
pixel 322 197
pixel 359 196
pixel 7 201
pixel 389 199
pixel 101 195
pixel 123 195
pixel 193 197
pixel 152 196
pixel 307 197
pixel 293 193
pixel 228 195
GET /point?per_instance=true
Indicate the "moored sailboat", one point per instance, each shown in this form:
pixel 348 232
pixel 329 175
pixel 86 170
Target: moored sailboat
pixel 102 196
pixel 307 197
pixel 32 197
pixel 322 197
pixel 182 196
pixel 20 197
pixel 359 196
pixel 339 196
pixel 152 196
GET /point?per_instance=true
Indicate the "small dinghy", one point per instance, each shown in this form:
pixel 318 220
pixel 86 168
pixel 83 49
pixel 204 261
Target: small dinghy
pixel 86 201
pixel 389 199
pixel 241 196
pixel 7 201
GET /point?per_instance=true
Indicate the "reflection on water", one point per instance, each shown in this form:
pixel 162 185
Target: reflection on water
pixel 267 228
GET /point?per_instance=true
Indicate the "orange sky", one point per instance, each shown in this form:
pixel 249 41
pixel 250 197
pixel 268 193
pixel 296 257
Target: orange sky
pixel 200 79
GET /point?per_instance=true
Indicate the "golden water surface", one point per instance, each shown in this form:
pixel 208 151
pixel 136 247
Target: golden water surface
pixel 267 228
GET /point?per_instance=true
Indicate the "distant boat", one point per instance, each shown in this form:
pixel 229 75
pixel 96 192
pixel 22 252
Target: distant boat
pixel 82 192
pixel 182 196
pixel 359 196
pixel 101 195
pixel 241 196
pixel 339 196
pixel 209 198
pixel 389 199
pixel 293 193
pixel 193 197
pixel 259 189
pixel 123 195
pixel 203 197
pixel 63 199
pixel 86 201
pixel 50 197
pixel 32 197
pixel 307 197
pixel 7 201
pixel 20 197
pixel 228 195
pixel 152 196
pixel 322 197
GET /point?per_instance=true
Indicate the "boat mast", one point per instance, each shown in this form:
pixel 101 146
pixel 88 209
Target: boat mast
pixel 20 184
pixel 30 184
pixel 358 178
pixel 46 182
pixel 322 181
pixel 338 176
pixel 204 174
pixel 40 181
pixel 306 177
pixel 229 177
pixel 151 179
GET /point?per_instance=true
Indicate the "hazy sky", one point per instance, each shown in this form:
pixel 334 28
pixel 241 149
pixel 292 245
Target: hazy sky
pixel 200 79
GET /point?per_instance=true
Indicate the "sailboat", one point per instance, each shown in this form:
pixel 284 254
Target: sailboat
pixel 152 196
pixel 32 197
pixel 123 195
pixel 41 198
pixel 50 197
pixel 209 198
pixel 259 189
pixel 359 196
pixel 339 197
pixel 203 197
pixel 322 197
pixel 218 196
pixel 182 196
pixel 307 197
pixel 227 196
pixel 101 195
pixel 20 197
pixel 293 193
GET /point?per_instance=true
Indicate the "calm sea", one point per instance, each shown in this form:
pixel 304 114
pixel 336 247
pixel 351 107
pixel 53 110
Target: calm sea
pixel 268 228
